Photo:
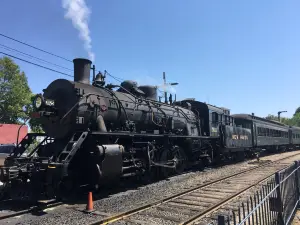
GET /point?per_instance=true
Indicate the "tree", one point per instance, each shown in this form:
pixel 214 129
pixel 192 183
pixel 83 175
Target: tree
pixel 34 124
pixel 297 111
pixel 15 93
pixel 294 121
pixel 272 117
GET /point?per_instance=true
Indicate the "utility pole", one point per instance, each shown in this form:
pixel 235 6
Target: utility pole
pixel 279 114
pixel 165 91
pixel 165 83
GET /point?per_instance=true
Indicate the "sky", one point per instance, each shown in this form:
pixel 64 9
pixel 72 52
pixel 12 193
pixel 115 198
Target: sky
pixel 242 55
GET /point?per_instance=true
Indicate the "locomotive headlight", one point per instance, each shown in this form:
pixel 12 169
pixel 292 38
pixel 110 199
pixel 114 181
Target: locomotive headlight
pixel 38 102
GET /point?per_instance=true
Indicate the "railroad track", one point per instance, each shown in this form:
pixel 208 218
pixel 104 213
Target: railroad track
pixel 35 208
pixel 197 202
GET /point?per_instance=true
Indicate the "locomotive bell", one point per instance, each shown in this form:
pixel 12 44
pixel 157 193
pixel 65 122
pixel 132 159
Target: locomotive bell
pixel 82 69
pixel 99 80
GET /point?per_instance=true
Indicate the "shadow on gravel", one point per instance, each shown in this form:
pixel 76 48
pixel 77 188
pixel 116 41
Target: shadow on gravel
pixel 15 205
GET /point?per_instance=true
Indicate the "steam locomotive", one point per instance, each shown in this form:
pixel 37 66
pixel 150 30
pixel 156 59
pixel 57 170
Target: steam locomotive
pixel 95 135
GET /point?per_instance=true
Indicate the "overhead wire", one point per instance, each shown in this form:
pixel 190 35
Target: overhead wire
pixel 116 78
pixel 34 47
pixel 36 64
pixel 31 56
pixel 12 49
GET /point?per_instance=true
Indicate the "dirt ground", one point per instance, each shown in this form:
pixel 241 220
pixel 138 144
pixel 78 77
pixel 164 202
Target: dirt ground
pixel 296 220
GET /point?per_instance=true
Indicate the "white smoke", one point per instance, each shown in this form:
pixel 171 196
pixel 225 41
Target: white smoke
pixel 147 80
pixel 142 79
pixel 78 12
pixel 167 88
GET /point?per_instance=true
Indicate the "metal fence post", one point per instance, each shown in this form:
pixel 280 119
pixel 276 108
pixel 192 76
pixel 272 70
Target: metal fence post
pixel 278 200
pixel 221 220
pixel 297 179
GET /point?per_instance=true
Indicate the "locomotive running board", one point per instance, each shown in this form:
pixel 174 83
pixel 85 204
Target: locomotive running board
pixel 128 134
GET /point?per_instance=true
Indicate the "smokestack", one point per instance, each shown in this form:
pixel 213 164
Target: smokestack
pixel 82 69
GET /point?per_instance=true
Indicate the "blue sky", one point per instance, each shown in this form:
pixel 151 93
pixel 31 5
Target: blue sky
pixel 242 55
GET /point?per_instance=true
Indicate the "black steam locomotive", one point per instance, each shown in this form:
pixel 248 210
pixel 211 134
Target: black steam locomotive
pixel 95 134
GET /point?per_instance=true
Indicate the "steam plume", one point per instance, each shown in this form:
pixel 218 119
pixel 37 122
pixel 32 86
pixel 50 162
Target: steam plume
pixel 78 12
pixel 167 88
pixel 147 80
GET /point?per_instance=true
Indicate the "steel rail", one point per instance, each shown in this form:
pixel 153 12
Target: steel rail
pixel 139 209
pixel 211 209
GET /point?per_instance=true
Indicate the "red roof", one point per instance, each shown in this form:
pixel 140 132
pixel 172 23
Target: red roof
pixel 9 133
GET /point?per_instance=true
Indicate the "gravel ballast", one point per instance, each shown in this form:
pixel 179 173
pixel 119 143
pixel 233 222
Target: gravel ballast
pixel 129 199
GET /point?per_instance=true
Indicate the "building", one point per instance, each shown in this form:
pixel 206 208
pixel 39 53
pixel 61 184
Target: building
pixel 9 133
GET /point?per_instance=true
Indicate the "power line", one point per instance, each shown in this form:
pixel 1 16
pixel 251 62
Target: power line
pixel 116 78
pixel 12 49
pixel 35 47
pixel 36 64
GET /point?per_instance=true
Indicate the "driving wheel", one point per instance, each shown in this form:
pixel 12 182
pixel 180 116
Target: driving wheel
pixel 174 157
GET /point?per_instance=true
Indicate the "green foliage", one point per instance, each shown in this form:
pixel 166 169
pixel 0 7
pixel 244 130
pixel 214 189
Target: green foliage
pixel 294 121
pixel 34 123
pixel 272 117
pixel 297 111
pixel 32 146
pixel 15 93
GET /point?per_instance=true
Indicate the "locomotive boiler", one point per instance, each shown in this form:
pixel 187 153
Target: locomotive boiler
pixel 68 106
